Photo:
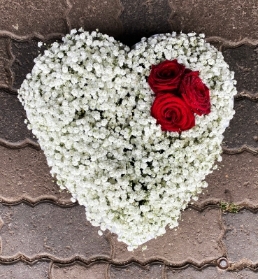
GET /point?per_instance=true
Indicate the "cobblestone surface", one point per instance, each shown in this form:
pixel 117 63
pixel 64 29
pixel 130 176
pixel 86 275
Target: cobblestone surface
pixel 43 236
pixel 196 230
pixel 144 18
pixel 50 230
pixel 24 54
pixel 25 174
pixel 244 62
pixel 5 60
pixel 12 116
pixel 28 18
pixel 241 236
pixel 231 19
pixel 21 270
pixel 94 14
pixel 79 271
pixel 153 271
pixel 209 273
pixel 235 181
pixel 243 130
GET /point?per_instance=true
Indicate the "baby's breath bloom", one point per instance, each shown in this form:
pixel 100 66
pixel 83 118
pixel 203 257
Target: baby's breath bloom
pixel 88 103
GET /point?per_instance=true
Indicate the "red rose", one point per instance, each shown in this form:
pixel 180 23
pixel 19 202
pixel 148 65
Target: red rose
pixel 166 76
pixel 172 113
pixel 195 93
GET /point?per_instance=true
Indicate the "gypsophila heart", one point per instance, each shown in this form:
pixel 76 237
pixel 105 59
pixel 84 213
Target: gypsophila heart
pixel 89 103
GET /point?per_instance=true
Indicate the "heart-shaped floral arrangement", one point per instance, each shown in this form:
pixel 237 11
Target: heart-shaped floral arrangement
pixel 130 133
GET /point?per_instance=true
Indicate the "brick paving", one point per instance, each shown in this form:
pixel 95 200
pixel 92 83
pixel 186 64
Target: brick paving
pixel 22 270
pixel 25 175
pixel 244 62
pixel 5 60
pixel 29 18
pixel 51 231
pixel 241 234
pixel 195 230
pixel 235 181
pixel 44 235
pixel 12 116
pixel 237 134
pixel 80 271
pixel 210 273
pixel 144 272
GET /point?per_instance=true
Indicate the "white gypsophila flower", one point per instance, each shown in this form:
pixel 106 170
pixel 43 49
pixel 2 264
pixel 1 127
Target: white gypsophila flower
pixel 88 103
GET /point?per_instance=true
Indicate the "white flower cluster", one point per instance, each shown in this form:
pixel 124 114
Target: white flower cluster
pixel 88 102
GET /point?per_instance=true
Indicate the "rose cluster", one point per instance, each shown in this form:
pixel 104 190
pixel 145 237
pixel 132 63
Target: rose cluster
pixel 180 93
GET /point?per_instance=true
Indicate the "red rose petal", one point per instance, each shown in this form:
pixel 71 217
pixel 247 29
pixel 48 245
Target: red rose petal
pixel 172 113
pixel 195 93
pixel 166 76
